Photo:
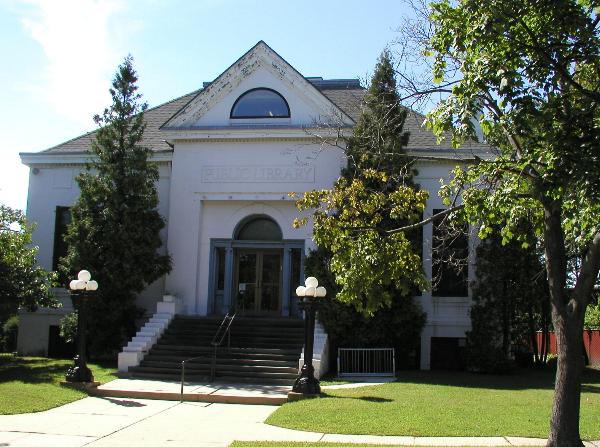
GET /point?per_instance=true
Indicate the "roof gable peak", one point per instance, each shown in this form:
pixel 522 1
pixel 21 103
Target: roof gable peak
pixel 259 56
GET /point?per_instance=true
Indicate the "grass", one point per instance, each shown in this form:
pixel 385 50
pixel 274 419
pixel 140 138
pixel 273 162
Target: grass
pixel 330 379
pixel 423 403
pixel 31 384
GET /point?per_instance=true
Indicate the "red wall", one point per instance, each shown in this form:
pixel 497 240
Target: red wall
pixel 591 340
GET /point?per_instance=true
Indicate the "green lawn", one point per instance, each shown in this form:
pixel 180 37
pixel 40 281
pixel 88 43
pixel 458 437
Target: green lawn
pixel 29 384
pixel 425 403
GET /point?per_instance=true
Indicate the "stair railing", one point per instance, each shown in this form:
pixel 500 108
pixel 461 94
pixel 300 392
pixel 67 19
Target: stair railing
pixel 223 330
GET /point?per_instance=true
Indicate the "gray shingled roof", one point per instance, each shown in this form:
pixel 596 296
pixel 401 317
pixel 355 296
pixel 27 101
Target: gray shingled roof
pixel 153 138
pixel 349 100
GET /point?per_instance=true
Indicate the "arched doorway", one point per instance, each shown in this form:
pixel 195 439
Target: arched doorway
pixel 256 271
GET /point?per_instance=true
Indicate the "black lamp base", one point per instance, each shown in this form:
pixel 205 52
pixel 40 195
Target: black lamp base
pixel 307 383
pixel 79 372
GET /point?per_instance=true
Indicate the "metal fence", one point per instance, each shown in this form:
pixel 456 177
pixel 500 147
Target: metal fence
pixel 366 362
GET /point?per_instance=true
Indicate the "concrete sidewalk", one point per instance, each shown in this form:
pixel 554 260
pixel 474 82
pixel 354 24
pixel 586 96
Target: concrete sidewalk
pixel 120 422
pixel 215 392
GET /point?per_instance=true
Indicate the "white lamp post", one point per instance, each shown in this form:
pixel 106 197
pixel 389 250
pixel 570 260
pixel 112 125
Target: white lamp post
pixel 306 383
pixel 80 289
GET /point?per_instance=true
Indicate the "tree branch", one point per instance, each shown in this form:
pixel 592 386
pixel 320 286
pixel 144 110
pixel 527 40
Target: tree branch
pixel 425 221
pixel 588 274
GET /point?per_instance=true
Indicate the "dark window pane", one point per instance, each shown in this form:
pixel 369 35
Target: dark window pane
pixel 62 221
pixel 415 236
pixel 295 279
pixel 270 281
pixel 449 260
pixel 260 103
pixel 260 229
pixel 220 268
pixel 247 281
pixel 447 353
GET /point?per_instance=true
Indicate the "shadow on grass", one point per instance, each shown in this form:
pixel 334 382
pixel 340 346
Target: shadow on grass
pixel 519 379
pixel 33 369
pixel 374 399
pixel 590 389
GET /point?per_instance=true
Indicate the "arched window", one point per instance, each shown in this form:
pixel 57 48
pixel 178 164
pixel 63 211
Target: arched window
pixel 258 228
pixel 260 103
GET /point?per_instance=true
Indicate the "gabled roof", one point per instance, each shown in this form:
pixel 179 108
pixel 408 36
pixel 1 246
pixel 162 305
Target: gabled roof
pixel 348 101
pixel 263 56
pixel 153 138
pixel 345 94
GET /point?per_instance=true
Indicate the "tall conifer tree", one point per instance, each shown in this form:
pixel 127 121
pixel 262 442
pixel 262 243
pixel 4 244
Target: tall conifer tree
pixel 375 193
pixel 115 223
pixel 379 139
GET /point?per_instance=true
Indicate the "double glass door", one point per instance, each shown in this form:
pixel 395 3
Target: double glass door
pixel 258 282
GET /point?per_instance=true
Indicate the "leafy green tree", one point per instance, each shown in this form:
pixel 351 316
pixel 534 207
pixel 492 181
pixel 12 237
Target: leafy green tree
pixel 115 223
pixel 510 304
pixel 592 317
pixel 398 326
pixel 22 282
pixel 529 72
pixel 375 191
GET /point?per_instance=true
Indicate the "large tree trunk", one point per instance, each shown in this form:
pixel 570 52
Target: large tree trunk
pixel 564 421
pixel 567 315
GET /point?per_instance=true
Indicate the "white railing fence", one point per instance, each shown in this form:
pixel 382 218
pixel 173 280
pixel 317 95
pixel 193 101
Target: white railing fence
pixel 366 362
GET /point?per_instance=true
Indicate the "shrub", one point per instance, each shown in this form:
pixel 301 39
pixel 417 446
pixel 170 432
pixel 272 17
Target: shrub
pixel 398 326
pixel 68 327
pixel 10 331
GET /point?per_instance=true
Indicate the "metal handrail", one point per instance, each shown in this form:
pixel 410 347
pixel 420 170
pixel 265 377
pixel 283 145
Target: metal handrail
pixel 225 328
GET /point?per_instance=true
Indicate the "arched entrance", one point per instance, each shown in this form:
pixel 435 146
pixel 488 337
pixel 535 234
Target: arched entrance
pixel 255 271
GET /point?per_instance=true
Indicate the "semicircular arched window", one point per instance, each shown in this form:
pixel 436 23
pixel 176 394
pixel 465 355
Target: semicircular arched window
pixel 260 103
pixel 260 228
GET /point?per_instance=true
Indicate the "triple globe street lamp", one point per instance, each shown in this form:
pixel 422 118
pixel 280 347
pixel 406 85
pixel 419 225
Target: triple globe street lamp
pixel 80 289
pixel 306 383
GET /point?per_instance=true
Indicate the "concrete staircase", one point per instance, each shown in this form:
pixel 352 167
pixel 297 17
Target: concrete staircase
pixel 262 350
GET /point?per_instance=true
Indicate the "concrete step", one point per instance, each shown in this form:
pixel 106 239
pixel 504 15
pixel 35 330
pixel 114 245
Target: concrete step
pixel 263 350
pixel 250 359
pixel 245 343
pixel 200 350
pixel 221 366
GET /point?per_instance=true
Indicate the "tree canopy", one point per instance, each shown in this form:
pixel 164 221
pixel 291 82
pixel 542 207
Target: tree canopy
pixel 375 193
pixel 22 281
pixel 529 73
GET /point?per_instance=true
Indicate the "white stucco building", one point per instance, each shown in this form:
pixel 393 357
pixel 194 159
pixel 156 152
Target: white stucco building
pixel 228 155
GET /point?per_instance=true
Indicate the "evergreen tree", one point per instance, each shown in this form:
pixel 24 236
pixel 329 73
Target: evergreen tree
pixel 510 304
pixel 374 194
pixel 378 140
pixel 115 225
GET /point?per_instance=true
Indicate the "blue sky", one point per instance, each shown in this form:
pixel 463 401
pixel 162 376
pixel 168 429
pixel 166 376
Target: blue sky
pixel 60 55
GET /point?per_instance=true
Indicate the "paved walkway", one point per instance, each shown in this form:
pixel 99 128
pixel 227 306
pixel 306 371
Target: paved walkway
pixel 122 422
pixel 214 392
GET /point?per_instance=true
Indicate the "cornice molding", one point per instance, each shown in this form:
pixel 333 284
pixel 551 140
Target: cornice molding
pixel 42 159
